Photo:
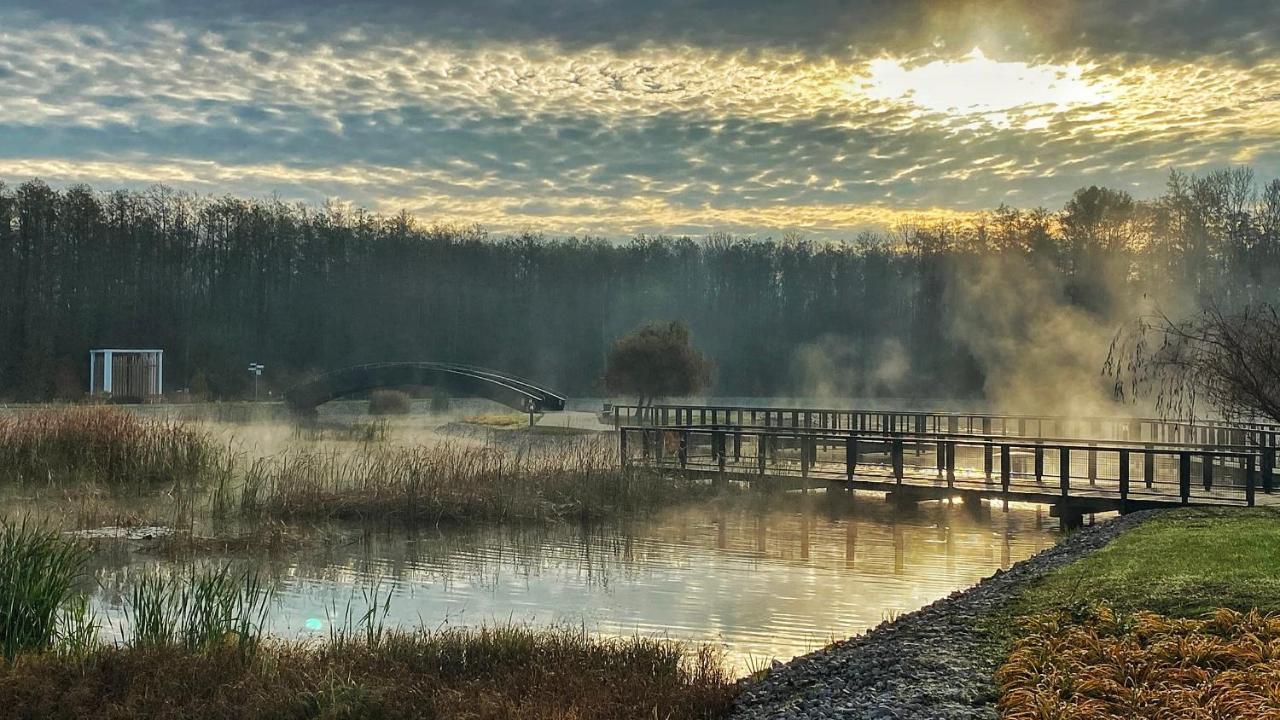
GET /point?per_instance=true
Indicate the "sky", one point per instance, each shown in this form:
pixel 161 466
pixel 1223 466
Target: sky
pixel 618 117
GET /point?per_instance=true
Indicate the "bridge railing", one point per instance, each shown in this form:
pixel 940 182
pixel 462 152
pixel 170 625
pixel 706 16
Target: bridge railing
pixel 1125 429
pixel 1012 467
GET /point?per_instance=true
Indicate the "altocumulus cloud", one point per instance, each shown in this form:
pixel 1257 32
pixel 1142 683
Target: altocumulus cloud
pixel 614 118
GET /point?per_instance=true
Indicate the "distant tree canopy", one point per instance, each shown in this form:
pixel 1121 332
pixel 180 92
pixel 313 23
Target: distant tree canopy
pixel 656 360
pixel 219 282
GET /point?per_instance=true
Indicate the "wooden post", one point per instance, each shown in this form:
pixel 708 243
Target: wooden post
pixel 1248 479
pixel 737 445
pixel 684 448
pixel 1268 466
pixel 1206 471
pixel 1064 470
pixel 850 456
pixel 622 448
pixel 1149 467
pixel 1184 476
pixel 804 456
pixel 986 450
pixel 1005 470
pixel 720 450
pixel 1124 479
pixel 897 459
pixel 1039 463
pixel 951 463
pixel 1093 465
pixel 761 452
pixel 942 457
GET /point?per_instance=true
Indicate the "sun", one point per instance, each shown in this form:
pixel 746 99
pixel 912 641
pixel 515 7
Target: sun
pixel 977 84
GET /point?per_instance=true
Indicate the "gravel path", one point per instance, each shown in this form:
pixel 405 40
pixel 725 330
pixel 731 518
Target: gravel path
pixel 932 663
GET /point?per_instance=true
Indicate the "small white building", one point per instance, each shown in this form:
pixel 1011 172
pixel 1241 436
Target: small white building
pixel 126 373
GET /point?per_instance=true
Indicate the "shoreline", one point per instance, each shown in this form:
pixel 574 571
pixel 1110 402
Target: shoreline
pixel 935 662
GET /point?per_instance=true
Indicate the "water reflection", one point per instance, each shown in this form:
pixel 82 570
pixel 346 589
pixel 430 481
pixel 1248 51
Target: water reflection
pixel 765 583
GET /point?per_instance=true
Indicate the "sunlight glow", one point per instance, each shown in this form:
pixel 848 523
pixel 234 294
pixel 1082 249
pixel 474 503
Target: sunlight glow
pixel 977 85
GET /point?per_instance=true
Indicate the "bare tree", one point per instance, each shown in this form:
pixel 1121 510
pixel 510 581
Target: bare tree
pixel 1230 360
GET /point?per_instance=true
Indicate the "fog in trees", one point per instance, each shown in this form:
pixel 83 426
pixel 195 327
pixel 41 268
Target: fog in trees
pixel 993 307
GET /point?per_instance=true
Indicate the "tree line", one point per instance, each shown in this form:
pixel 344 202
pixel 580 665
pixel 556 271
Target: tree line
pixel 922 310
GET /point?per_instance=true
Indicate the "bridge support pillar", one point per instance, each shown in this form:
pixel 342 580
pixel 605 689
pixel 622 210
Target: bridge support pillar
pixel 973 506
pixel 1070 517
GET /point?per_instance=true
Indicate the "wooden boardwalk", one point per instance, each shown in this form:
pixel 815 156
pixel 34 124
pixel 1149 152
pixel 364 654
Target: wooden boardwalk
pixel 1073 476
pixel 1126 429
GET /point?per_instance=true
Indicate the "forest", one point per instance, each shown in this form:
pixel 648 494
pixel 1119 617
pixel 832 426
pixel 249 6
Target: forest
pixel 1002 305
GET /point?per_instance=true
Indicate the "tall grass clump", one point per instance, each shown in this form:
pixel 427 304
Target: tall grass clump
pixel 197 611
pixel 458 482
pixel 38 574
pixel 102 445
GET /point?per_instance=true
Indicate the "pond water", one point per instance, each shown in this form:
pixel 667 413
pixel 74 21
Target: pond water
pixel 763 582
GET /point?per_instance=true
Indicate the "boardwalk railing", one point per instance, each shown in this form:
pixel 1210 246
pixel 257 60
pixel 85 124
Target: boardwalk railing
pixel 1096 474
pixel 1143 430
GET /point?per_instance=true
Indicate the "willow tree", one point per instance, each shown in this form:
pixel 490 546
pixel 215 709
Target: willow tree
pixel 656 360
pixel 1229 360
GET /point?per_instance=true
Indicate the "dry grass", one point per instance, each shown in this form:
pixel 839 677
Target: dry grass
pixel 1096 664
pixel 458 482
pixel 105 446
pixel 498 420
pixel 510 672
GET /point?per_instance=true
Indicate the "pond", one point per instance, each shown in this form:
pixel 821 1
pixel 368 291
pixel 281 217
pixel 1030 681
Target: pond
pixel 765 577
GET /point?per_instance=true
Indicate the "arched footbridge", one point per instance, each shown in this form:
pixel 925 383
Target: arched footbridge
pixel 458 380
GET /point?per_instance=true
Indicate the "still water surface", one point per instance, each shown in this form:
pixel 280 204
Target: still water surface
pixel 764 584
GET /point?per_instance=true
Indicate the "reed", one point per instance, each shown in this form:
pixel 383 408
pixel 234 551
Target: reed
pixel 456 482
pixel 38 574
pixel 198 610
pixel 104 446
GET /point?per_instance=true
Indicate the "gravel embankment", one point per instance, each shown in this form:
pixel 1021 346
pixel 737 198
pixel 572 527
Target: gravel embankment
pixel 932 663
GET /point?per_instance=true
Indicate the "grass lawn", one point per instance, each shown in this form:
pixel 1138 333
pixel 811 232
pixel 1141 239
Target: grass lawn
pixel 1183 563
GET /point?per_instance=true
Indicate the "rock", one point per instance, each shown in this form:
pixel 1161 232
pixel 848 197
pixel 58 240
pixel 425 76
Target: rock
pixel 932 663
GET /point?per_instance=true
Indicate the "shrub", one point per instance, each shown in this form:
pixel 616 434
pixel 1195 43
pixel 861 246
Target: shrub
pixel 389 402
pixel 1096 663
pixel 439 400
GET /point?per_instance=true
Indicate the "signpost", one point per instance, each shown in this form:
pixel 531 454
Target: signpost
pixel 255 369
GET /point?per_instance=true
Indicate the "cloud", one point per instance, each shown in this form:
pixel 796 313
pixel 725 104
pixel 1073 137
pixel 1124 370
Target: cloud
pixel 513 124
